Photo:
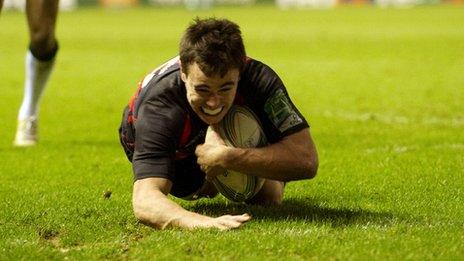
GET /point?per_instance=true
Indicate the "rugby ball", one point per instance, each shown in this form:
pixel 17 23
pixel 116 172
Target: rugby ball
pixel 240 128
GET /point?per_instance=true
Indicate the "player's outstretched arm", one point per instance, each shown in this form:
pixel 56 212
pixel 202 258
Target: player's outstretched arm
pixel 152 207
pixel 292 158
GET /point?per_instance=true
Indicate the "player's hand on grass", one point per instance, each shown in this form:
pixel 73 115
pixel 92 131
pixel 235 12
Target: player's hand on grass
pixel 227 222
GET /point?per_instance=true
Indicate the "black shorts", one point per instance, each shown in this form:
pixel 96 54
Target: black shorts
pixel 188 178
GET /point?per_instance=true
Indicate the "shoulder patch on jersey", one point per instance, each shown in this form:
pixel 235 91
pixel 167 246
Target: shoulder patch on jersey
pixel 163 68
pixel 280 111
pixel 160 70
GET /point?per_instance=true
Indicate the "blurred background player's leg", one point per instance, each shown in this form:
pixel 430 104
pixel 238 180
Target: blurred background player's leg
pixel 40 58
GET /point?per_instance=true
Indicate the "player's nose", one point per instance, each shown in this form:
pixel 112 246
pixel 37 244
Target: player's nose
pixel 213 101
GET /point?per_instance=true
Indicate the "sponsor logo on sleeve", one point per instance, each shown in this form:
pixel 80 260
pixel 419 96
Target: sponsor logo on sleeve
pixel 280 111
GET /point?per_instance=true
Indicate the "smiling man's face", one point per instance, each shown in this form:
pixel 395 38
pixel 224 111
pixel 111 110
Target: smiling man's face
pixel 210 97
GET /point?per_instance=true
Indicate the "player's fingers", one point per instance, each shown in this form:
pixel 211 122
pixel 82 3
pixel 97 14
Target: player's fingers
pixel 233 221
pixel 219 224
pixel 199 150
pixel 229 224
pixel 222 227
pixel 200 160
pixel 242 218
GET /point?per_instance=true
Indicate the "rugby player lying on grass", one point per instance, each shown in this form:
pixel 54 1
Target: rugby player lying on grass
pixel 165 131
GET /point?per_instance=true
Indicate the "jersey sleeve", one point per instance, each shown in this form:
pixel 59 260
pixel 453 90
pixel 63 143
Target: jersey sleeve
pixel 278 114
pixel 157 130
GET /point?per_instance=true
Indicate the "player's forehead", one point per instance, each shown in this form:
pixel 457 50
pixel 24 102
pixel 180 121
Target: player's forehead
pixel 197 76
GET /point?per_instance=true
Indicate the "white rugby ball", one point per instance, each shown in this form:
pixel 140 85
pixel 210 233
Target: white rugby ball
pixel 240 128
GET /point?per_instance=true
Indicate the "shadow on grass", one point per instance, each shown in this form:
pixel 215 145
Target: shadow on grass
pixel 299 210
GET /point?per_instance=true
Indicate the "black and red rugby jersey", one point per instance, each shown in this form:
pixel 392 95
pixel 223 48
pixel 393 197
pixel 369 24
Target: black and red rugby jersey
pixel 164 128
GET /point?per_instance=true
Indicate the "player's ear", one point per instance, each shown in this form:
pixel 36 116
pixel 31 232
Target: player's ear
pixel 183 76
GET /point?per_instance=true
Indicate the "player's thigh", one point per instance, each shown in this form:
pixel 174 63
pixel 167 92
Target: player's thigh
pixel 271 193
pixel 41 18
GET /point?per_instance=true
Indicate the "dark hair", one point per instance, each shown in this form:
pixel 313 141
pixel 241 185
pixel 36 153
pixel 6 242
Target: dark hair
pixel 216 45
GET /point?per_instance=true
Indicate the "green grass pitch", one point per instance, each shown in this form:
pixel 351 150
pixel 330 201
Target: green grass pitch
pixel 383 90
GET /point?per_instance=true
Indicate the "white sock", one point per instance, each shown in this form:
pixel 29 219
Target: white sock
pixel 37 74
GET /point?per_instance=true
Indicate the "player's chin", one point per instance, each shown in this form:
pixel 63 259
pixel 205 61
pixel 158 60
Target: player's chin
pixel 211 120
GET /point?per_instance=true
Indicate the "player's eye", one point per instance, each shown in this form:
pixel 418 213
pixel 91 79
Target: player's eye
pixel 202 90
pixel 225 89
